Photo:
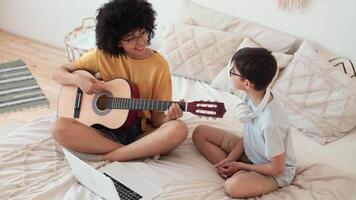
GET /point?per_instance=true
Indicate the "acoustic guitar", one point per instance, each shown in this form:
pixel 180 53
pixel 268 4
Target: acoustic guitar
pixel 117 106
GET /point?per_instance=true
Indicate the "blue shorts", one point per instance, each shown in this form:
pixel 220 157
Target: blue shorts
pixel 123 136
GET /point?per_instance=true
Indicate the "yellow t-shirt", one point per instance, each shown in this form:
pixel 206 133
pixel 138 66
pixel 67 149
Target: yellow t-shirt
pixel 151 75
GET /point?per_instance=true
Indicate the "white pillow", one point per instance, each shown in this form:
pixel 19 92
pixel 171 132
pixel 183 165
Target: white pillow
pixel 269 38
pixel 197 52
pixel 318 99
pixel 224 82
pixel 343 64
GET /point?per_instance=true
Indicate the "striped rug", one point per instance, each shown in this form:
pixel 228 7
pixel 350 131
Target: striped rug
pixel 18 88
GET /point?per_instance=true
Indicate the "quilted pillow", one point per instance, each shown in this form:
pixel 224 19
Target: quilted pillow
pixel 269 38
pixel 319 99
pixel 197 52
pixel 224 82
pixel 344 65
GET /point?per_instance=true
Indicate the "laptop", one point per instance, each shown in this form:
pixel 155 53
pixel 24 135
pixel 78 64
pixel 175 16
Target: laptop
pixel 114 181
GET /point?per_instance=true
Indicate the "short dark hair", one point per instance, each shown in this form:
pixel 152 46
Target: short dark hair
pixel 257 65
pixel 117 18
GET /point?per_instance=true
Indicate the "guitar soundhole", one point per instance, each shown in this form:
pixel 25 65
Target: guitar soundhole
pixel 101 103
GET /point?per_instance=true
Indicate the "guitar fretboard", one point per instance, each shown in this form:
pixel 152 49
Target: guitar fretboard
pixel 141 104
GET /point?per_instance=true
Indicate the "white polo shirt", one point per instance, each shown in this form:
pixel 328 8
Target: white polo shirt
pixel 269 135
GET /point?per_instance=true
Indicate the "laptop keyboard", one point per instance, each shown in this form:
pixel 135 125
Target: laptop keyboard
pixel 125 193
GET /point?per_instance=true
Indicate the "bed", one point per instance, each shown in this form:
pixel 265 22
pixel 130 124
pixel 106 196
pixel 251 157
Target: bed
pixel 32 164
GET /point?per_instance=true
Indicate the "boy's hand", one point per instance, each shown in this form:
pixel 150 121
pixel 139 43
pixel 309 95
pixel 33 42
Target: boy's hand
pixel 226 170
pixel 174 112
pixel 90 85
pixel 226 160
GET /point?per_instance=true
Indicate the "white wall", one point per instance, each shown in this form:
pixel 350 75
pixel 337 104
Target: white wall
pixel 329 23
pixel 45 20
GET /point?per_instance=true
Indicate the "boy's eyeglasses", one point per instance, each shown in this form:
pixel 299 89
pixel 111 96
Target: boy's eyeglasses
pixel 233 73
pixel 134 39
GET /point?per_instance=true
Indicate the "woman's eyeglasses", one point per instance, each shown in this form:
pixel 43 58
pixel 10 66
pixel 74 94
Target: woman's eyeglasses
pixel 232 73
pixel 134 39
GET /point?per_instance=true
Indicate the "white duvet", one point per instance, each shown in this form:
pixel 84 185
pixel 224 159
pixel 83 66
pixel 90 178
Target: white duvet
pixel 32 165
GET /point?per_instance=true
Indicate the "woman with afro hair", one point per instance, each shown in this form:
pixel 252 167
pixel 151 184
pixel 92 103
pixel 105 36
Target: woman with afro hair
pixel 123 32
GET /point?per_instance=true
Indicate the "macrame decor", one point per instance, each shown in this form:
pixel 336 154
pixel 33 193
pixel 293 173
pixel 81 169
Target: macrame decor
pixel 291 4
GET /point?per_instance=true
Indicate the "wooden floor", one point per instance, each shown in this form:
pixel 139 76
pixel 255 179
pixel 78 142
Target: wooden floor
pixel 42 60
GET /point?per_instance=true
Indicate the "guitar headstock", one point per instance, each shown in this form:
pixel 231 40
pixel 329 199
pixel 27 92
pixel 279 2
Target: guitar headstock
pixel 207 108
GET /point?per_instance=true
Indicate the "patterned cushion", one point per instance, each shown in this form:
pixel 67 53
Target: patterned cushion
pixel 269 38
pixel 197 52
pixel 318 99
pixel 344 65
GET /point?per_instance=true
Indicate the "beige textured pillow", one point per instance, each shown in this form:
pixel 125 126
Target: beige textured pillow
pixel 197 52
pixel 224 82
pixel 269 38
pixel 344 65
pixel 319 99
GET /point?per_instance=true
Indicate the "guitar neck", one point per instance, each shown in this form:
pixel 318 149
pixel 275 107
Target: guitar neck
pixel 141 104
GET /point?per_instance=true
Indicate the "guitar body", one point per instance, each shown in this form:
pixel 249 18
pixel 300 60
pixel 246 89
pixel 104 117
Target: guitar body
pixel 90 114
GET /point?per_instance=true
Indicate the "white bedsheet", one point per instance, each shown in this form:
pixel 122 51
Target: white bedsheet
pixel 32 165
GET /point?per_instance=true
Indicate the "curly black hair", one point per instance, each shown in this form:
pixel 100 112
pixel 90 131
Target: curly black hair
pixel 117 18
pixel 257 65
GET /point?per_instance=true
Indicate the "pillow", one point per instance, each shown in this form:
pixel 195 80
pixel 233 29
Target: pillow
pixel 224 82
pixel 269 38
pixel 319 100
pixel 197 52
pixel 189 21
pixel 344 65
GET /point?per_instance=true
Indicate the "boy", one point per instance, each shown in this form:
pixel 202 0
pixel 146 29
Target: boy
pixel 123 31
pixel 263 160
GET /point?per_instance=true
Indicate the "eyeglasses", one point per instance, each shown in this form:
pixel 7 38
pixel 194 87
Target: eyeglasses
pixel 134 39
pixel 233 73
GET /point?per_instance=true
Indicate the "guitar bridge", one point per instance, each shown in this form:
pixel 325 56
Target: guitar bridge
pixel 78 100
